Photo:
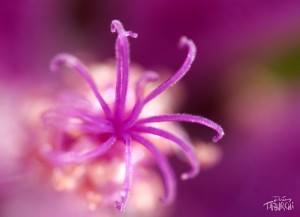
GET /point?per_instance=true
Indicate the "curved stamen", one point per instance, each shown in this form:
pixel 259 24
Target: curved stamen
pixel 73 157
pixel 116 26
pixel 186 147
pixel 62 119
pixel 123 60
pixel 76 113
pixel 164 166
pixel 80 68
pixel 128 176
pixel 186 118
pixel 139 89
pixel 140 85
pixel 180 73
pixel 171 81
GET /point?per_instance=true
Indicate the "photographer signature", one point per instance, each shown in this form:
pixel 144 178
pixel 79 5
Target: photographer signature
pixel 279 204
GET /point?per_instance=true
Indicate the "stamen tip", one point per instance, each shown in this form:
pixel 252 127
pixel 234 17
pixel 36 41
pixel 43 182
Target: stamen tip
pixel 119 206
pixel 55 63
pixel 114 25
pixel 219 136
pixel 194 172
pixel 117 26
pixel 167 199
pixel 183 39
pixel 186 42
pixel 185 176
pixel 61 59
pixel 132 34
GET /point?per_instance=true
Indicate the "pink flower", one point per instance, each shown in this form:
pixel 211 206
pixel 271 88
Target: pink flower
pixel 117 123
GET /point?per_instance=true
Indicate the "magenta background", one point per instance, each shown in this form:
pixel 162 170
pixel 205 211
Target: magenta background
pixel 260 161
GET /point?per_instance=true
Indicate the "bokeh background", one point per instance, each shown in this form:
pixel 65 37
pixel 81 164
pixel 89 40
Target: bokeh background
pixel 246 77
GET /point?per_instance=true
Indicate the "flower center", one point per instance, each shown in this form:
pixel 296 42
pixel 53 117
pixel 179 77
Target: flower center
pixel 118 126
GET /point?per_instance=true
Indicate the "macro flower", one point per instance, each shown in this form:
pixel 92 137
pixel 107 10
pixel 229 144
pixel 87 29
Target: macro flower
pixel 117 120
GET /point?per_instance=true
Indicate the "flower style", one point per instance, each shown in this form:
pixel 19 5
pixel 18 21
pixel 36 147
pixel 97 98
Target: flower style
pixel 120 124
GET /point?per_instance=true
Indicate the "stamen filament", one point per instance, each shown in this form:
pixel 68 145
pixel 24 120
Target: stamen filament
pixel 164 166
pixel 121 205
pixel 148 77
pixel 123 60
pixel 80 68
pixel 186 147
pixel 73 157
pixel 180 73
pixel 171 81
pixel 186 118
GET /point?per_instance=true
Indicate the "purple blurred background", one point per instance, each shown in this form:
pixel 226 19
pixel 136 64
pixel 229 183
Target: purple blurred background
pixel 246 77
